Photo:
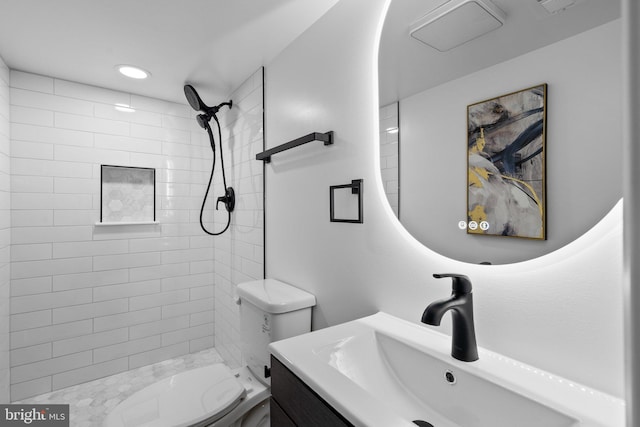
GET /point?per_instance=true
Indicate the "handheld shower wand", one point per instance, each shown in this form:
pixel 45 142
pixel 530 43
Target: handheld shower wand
pixel 208 113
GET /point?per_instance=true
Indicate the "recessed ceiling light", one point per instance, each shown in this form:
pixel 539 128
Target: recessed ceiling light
pixel 133 72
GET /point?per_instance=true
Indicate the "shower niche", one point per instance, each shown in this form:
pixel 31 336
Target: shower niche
pixel 127 195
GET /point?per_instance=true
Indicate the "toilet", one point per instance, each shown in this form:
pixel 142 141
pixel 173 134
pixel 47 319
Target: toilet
pixel 215 395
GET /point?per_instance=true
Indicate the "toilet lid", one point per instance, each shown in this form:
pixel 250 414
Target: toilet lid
pixel 184 399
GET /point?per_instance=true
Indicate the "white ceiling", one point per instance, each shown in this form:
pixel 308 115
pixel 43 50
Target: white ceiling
pixel 216 44
pixel 408 66
pixel 213 44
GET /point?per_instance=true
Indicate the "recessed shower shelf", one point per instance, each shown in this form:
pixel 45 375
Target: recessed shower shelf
pixel 127 194
pixel 327 138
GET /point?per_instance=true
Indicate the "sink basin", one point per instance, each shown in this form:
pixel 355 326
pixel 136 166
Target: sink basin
pixel 381 371
pixel 427 388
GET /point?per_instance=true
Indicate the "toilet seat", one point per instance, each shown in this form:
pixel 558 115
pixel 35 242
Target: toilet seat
pixel 197 397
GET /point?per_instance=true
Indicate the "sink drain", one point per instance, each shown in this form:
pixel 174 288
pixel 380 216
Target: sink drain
pixel 422 423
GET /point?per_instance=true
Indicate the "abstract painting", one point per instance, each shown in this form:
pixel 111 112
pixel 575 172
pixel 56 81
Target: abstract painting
pixel 506 165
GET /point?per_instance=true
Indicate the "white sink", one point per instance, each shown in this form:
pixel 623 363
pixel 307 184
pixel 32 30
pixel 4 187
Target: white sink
pixel 384 371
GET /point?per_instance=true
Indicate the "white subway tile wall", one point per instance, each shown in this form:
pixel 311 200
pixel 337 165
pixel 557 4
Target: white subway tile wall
pixel 5 230
pixel 239 253
pixel 89 301
pixel 389 153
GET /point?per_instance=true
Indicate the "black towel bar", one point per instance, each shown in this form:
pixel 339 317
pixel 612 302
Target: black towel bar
pixel 327 138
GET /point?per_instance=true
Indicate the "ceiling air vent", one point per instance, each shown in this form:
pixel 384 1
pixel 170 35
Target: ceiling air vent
pixel 556 6
pixel 457 22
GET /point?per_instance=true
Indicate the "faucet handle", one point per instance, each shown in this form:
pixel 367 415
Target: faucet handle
pixel 461 283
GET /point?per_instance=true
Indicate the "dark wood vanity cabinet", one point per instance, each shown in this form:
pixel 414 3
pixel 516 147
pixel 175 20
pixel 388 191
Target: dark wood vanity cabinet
pixel 293 403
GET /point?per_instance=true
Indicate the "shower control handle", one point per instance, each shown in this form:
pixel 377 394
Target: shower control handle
pixel 221 199
pixel 229 199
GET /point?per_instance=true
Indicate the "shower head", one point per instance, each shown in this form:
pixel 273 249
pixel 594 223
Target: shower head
pixel 197 104
pixel 203 120
pixel 194 99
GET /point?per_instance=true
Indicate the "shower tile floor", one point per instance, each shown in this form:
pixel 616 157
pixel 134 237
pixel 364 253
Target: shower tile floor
pixel 89 403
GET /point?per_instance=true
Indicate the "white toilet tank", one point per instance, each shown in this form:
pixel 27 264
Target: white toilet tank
pixel 270 310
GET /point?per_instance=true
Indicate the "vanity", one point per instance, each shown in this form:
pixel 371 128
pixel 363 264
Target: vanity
pixel 293 403
pixel 381 371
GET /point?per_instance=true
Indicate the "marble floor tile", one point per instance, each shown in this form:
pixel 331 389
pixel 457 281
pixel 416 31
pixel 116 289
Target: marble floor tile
pixel 91 402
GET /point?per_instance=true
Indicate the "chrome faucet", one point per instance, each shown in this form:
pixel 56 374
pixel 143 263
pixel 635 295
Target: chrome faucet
pixel 463 346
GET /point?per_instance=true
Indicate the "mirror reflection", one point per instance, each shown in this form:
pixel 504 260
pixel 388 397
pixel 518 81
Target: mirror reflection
pixel 574 50
pixel 389 154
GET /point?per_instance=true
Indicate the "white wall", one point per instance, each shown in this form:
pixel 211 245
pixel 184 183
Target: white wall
pixel 583 146
pixel 547 312
pixel 91 301
pixel 5 231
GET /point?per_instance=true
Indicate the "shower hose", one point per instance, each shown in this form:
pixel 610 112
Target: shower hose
pixel 224 180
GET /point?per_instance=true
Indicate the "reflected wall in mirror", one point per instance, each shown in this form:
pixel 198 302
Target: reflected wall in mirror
pixel 576 52
pixel 389 154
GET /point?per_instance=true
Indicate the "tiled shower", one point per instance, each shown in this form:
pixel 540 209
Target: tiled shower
pixel 5 231
pixel 87 301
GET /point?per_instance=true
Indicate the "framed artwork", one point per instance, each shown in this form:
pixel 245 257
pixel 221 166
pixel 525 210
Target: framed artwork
pixel 506 193
pixel 127 194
